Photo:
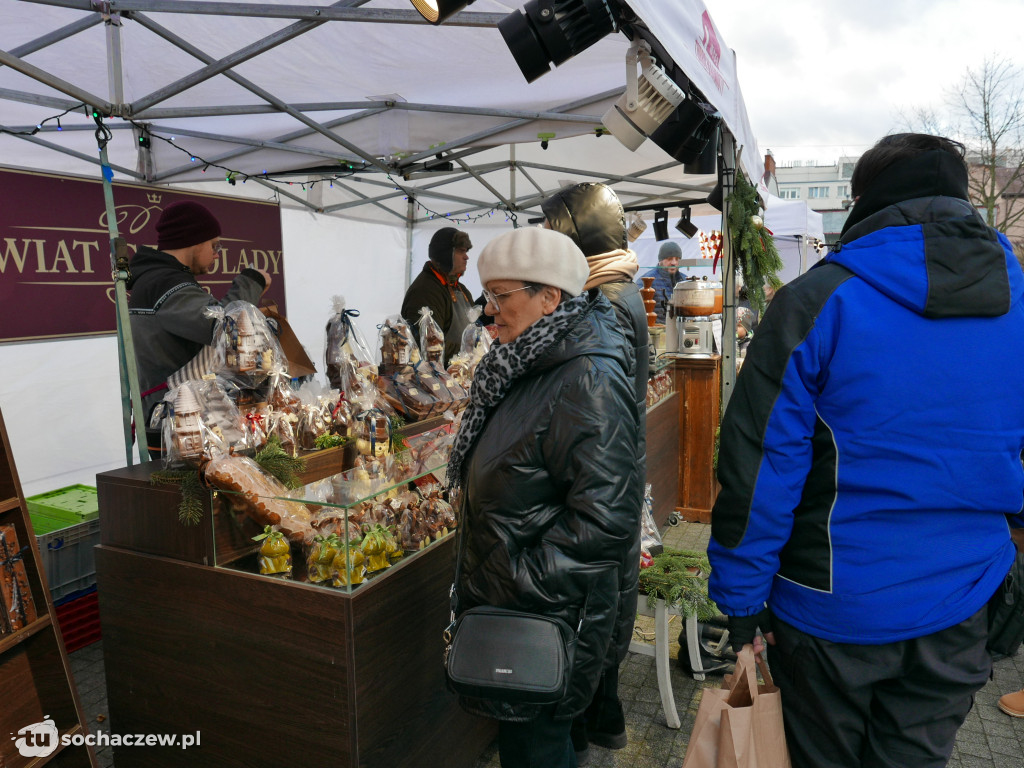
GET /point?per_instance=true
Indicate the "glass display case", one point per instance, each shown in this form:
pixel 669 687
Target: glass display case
pixel 338 531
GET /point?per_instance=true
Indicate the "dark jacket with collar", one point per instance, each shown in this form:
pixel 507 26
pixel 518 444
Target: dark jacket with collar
pixel 427 290
pixel 166 307
pixel 549 514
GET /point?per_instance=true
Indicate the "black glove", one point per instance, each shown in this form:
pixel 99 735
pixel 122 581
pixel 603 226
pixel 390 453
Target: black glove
pixel 743 629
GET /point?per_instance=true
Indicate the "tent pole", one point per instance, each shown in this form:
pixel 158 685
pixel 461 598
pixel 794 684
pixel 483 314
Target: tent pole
pixel 729 169
pixel 131 400
pixel 410 217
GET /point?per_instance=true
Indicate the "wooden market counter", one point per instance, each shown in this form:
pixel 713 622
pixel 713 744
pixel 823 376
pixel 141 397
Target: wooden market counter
pixel 268 671
pixel 681 441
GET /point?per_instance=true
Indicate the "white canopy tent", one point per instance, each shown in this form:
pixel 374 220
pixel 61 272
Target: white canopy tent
pixel 360 105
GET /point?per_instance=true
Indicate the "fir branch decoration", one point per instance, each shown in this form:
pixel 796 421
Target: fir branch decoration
pixel 757 256
pixel 274 460
pixel 398 443
pixel 190 511
pixel 330 440
pixel 668 579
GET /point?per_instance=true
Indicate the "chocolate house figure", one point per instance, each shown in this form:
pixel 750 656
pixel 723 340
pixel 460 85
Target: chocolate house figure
pixel 188 431
pixel 247 345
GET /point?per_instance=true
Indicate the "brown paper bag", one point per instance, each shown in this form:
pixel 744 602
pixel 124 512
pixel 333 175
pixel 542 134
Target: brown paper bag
pixel 740 724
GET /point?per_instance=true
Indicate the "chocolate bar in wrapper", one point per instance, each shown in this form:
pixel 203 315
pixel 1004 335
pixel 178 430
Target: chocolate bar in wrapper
pixel 16 603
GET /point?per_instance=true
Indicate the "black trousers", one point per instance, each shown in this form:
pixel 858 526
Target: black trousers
pixel 897 705
pixel 540 743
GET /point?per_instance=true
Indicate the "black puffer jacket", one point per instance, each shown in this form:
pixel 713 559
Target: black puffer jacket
pixel 548 511
pixel 592 215
pixel 632 320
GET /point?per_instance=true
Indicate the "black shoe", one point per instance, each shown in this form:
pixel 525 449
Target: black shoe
pixel 606 725
pixel 580 743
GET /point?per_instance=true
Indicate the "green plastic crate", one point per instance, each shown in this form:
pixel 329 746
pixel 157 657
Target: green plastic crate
pixel 64 507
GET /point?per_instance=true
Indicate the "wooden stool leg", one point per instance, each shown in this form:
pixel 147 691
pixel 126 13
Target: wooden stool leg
pixel 693 646
pixel 668 702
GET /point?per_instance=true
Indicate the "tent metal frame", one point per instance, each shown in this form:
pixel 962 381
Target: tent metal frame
pixel 144 113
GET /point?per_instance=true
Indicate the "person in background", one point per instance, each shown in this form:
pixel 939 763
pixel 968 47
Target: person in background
pixel 166 304
pixel 545 460
pixel 592 216
pixel 437 286
pixel 869 484
pixel 665 275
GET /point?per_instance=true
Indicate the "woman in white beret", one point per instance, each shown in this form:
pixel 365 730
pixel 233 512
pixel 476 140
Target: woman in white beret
pixel 546 462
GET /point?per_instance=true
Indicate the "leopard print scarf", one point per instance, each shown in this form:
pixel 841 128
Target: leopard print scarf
pixel 501 367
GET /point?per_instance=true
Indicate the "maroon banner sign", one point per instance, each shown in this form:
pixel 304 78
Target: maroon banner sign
pixel 55 271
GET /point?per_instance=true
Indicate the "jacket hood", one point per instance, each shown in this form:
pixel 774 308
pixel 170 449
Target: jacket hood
pixel 589 213
pixel 596 333
pixel 935 256
pixel 148 259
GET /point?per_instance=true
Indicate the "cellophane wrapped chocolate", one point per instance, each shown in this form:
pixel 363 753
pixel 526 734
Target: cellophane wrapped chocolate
pixel 344 343
pixel 476 340
pixel 314 421
pixel 431 337
pixel 250 346
pixel 373 433
pixel 256 424
pixel 260 495
pixel 192 430
pixel 397 346
pixel 17 607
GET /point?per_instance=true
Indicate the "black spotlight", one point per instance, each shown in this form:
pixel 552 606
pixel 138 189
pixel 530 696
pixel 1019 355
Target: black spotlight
pixel 687 132
pixel 661 224
pixel 547 32
pixel 684 224
pixel 707 162
pixel 436 11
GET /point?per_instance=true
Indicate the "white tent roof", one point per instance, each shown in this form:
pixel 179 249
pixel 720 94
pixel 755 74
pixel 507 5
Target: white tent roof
pixel 362 90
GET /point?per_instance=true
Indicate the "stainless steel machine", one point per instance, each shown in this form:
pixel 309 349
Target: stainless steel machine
pixel 693 308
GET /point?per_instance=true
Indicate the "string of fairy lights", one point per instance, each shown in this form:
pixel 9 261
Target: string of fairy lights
pixel 233 176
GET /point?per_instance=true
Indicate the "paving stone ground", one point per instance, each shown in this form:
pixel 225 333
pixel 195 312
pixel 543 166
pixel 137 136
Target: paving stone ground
pixel 988 738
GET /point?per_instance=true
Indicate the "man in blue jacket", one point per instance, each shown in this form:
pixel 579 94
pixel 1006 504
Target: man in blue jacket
pixel 871 468
pixel 665 275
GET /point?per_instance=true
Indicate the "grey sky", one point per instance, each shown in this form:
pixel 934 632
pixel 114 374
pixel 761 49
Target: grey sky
pixel 822 78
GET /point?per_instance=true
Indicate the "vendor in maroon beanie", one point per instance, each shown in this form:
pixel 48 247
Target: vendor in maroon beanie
pixel 166 303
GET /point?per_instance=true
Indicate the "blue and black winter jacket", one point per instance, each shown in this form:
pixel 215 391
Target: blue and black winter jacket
pixel 870 456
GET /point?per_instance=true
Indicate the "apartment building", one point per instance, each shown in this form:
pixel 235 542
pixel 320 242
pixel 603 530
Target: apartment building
pixel 825 188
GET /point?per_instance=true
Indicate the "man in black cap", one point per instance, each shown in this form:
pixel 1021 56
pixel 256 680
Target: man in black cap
pixel 437 287
pixel 166 303
pixel 665 275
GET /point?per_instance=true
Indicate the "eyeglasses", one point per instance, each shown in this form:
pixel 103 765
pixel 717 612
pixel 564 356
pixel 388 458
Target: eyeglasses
pixel 217 247
pixel 494 298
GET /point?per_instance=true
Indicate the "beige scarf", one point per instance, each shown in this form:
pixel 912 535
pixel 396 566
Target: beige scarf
pixel 611 267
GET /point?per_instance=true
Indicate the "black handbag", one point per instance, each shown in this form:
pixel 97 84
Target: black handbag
pixel 1006 612
pixel 506 655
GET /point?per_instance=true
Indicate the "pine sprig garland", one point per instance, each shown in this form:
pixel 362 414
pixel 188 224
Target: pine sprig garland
pixel 668 579
pixel 190 510
pixel 757 256
pixel 274 460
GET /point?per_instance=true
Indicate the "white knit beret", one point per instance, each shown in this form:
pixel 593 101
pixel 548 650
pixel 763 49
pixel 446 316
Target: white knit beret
pixel 535 255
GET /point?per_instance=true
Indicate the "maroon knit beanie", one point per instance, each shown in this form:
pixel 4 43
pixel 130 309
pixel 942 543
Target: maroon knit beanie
pixel 184 224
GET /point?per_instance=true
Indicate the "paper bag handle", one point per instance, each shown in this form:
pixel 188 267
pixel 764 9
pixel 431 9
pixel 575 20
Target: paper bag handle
pixel 744 689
